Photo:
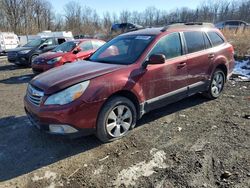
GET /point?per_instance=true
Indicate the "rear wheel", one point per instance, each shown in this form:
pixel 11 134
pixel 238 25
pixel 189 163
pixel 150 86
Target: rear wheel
pixel 116 118
pixel 216 85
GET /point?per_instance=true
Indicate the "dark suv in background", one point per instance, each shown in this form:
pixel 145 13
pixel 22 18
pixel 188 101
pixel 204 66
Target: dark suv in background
pixel 24 55
pixel 129 76
pixel 233 24
pixel 125 27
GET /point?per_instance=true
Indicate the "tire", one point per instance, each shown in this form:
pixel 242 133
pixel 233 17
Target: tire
pixel 216 85
pixel 32 58
pixel 116 118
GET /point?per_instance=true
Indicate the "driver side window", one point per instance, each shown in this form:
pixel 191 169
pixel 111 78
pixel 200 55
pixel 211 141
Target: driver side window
pixel 169 45
pixel 48 42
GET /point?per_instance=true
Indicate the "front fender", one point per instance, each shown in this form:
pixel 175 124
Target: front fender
pixel 103 87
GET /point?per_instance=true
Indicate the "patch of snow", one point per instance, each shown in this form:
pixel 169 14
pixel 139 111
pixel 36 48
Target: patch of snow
pixel 242 68
pixel 47 176
pixel 128 176
pixel 99 170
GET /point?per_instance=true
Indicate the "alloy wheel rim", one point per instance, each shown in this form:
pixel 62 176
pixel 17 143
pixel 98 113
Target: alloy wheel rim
pixel 217 84
pixel 119 121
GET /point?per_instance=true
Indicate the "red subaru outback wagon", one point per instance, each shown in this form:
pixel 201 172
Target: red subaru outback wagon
pixel 129 76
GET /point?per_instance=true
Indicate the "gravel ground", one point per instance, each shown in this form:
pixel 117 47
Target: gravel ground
pixel 192 143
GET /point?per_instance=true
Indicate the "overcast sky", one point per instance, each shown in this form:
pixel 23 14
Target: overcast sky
pixel 117 6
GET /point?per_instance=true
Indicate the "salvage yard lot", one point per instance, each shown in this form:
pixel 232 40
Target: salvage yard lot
pixel 192 143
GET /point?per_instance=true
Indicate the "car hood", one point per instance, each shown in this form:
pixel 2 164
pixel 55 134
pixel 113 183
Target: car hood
pixel 62 77
pixel 51 55
pixel 18 49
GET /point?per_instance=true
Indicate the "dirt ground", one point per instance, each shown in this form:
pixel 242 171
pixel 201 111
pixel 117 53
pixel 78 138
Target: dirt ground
pixel 192 143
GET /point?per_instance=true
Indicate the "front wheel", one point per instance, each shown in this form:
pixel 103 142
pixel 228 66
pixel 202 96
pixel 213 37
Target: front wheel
pixel 33 57
pixel 116 118
pixel 216 85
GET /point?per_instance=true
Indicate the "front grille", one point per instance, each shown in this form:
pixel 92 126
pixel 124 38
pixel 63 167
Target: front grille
pixel 34 95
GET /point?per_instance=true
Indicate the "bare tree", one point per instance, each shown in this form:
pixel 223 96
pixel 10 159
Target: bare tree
pixel 12 11
pixel 125 16
pixel 33 16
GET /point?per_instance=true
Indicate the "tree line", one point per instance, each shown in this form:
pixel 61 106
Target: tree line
pixel 33 16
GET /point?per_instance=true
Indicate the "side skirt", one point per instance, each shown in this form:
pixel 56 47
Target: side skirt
pixel 172 97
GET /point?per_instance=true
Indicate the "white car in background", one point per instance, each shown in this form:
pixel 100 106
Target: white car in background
pixel 8 41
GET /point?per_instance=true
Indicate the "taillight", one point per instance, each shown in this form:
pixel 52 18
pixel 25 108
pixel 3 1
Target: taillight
pixel 231 50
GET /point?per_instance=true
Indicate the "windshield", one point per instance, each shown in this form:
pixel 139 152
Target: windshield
pixel 122 50
pixel 34 43
pixel 66 47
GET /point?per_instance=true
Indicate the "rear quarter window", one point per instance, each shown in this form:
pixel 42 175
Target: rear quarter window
pixel 194 41
pixel 215 38
pixel 207 42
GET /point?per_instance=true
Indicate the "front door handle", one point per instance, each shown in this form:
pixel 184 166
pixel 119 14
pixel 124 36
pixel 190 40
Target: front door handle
pixel 211 56
pixel 181 65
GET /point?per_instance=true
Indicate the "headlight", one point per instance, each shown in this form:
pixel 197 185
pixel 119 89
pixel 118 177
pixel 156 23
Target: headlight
pixel 68 95
pixel 24 52
pixel 52 61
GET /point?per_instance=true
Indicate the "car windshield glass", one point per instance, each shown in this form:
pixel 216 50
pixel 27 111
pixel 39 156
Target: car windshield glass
pixel 122 50
pixel 66 47
pixel 34 43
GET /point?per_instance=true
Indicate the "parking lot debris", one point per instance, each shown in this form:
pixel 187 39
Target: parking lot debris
pixel 214 127
pixel 226 175
pixel 73 173
pixel 182 115
pixel 104 158
pixel 179 129
pixel 134 144
pixel 246 116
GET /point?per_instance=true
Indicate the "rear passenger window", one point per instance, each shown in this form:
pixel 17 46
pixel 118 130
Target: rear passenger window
pixel 170 46
pixel 194 41
pixel 215 38
pixel 207 42
pixel 60 41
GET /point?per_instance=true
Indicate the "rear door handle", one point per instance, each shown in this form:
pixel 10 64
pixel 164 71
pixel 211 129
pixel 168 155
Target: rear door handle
pixel 181 65
pixel 210 56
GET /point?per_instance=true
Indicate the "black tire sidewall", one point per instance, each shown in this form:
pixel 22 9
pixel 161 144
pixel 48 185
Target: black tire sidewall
pixel 101 131
pixel 34 55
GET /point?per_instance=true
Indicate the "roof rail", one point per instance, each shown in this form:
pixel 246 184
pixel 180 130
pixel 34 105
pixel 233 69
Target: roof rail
pixel 186 24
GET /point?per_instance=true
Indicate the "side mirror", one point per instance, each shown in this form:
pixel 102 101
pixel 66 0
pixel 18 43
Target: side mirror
pixel 43 46
pixel 154 60
pixel 77 50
